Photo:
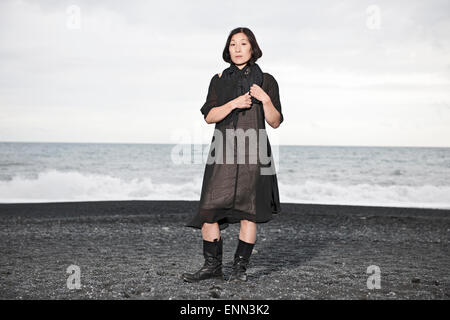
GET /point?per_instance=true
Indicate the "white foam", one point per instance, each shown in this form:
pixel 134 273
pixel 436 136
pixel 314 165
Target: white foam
pixel 57 186
pixel 426 196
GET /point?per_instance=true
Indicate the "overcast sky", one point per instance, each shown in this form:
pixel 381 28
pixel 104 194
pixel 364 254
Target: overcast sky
pixel 372 73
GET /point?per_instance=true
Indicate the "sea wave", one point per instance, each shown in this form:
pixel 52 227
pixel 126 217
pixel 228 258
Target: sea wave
pixel 57 186
pixel 425 196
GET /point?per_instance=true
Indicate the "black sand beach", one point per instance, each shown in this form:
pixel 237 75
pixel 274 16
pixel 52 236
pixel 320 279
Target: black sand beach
pixel 138 250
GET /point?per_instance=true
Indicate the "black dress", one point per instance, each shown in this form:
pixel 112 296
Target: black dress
pixel 235 191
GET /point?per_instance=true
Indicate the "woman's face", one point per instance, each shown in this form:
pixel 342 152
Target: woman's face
pixel 240 49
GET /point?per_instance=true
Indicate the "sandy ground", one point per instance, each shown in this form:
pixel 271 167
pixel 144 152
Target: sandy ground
pixel 139 249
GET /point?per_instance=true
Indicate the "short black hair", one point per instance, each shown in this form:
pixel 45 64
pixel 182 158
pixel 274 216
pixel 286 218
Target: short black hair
pixel 256 50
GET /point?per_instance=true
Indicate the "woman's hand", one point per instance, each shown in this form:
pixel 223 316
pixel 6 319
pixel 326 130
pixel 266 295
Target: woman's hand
pixel 258 93
pixel 243 102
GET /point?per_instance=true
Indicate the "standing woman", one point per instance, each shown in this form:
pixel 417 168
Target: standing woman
pixel 240 99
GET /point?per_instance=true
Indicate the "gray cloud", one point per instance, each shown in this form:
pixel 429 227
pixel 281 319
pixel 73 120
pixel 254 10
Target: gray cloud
pixel 150 63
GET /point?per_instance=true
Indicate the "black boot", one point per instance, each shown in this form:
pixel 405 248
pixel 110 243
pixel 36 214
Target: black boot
pixel 212 268
pixel 241 261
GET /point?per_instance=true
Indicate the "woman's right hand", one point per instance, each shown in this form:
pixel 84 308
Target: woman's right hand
pixel 243 102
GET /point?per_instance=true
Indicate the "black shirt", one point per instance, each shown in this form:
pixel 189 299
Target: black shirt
pixel 270 86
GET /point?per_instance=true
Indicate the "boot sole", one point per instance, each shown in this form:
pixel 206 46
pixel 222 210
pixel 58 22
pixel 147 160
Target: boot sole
pixel 234 279
pixel 198 280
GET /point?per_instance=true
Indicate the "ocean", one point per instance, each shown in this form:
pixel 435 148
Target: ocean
pixel 382 176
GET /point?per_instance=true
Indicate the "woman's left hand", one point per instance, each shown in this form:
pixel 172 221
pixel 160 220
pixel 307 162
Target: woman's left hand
pixel 257 92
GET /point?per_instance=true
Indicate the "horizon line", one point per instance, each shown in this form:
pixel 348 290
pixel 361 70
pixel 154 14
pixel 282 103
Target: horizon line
pixel 287 145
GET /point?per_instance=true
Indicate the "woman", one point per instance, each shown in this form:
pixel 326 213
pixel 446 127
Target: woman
pixel 240 100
